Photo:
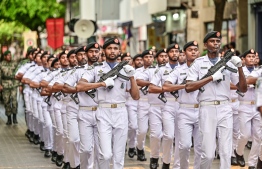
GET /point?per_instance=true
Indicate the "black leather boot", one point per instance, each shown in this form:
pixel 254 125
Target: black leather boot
pixel 249 145
pixel 165 166
pixel 141 155
pixel 27 133
pixel 36 139
pixel 59 160
pixel 14 119
pixel 259 163
pixel 153 163
pixel 48 153
pixel 9 120
pixel 131 152
pixel 54 155
pixel 31 137
pixel 234 161
pixel 66 166
pixel 42 146
pixel 240 159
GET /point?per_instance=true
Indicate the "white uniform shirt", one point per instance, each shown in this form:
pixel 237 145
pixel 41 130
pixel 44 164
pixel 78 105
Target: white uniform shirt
pixel 25 67
pixel 177 76
pixel 250 94
pixel 213 90
pixel 74 77
pixel 115 95
pixel 259 92
pixel 50 76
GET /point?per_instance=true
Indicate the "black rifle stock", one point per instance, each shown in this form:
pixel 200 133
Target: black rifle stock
pixel 113 72
pixel 75 98
pixel 144 90
pixel 223 62
pixel 57 95
pixel 47 100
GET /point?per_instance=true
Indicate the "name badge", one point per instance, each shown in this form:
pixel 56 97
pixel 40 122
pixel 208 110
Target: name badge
pixel 203 67
pixel 182 73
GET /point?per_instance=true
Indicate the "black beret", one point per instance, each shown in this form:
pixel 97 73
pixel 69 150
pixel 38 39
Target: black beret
pixel 65 52
pixel 39 52
pixel 146 52
pixel 79 49
pixel 44 53
pixel 160 51
pixel 172 46
pixel 92 45
pixel 125 55
pixel 72 52
pixel 111 41
pixel 212 34
pixel 54 61
pixel 6 52
pixel 250 51
pixel 181 51
pixel 50 57
pixel 33 51
pixel 137 56
pixel 191 43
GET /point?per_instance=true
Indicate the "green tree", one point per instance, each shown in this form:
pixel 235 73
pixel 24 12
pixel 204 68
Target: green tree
pixel 31 13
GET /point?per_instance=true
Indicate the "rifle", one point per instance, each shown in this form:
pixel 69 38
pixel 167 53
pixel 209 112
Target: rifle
pixel 57 95
pixel 39 90
pixel 144 90
pixel 74 97
pixel 47 100
pixel 113 72
pixel 223 62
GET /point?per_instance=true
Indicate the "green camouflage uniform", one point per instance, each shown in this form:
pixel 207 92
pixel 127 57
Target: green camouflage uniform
pixel 9 92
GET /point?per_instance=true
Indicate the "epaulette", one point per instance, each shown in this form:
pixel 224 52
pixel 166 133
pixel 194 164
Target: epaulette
pixel 54 70
pixel 78 67
pixel 43 70
pixel 157 70
pixel 68 69
pixel 90 67
pixel 161 65
pixel 32 65
pixel 97 64
pixel 151 67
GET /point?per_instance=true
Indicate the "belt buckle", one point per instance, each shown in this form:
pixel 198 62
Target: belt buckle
pixel 217 102
pixel 233 100
pixel 252 102
pixel 196 105
pixel 113 105
pixel 94 108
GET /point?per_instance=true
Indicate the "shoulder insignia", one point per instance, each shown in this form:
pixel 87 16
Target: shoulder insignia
pixel 90 67
pixel 73 71
pixel 78 67
pixel 161 65
pixel 32 65
pixel 43 70
pixel 166 72
pixel 97 64
pixel 156 70
pixel 69 69
pixel 150 67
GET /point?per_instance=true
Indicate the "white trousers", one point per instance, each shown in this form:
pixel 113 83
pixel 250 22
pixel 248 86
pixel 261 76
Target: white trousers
pixel 214 118
pixel 142 121
pixel 59 141
pixel 250 122
pixel 236 131
pixel 132 125
pixel 89 143
pixel 112 124
pixel 65 131
pixel 188 126
pixel 47 129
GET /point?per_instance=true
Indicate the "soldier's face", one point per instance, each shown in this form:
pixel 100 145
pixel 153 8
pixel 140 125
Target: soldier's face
pixel 148 60
pixel 81 57
pixel 138 62
pixel 112 51
pixel 173 54
pixel 63 60
pixel 182 58
pixel 162 58
pixel 37 58
pixel 93 55
pixel 72 60
pixel 57 65
pixel 8 57
pixel 191 53
pixel 128 58
pixel 250 59
pixel 44 59
pixel 118 59
pixel 213 45
pixel 50 61
pixel 31 58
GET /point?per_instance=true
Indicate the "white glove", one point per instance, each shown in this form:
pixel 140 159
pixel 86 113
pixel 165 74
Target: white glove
pixel 130 71
pixel 236 61
pixel 218 75
pixel 110 81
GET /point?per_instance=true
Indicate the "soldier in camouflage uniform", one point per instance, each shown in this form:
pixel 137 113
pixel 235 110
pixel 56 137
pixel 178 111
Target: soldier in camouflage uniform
pixel 8 85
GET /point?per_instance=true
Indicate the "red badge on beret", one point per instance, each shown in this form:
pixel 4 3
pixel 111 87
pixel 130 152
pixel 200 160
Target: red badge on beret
pixel 128 54
pixel 66 52
pixel 116 40
pixel 150 52
pixel 195 42
pixel 84 47
pixel 96 45
pixel 176 46
pixel 252 51
pixel 232 50
pixel 165 49
pixel 218 34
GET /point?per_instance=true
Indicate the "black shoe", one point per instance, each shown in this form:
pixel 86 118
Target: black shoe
pixel 42 146
pixel 259 163
pixel 27 133
pixel 249 145
pixel 59 160
pixel 31 137
pixel 131 152
pixel 9 120
pixel 141 155
pixel 48 153
pixel 54 155
pixel 234 161
pixel 165 166
pixel 66 166
pixel 251 167
pixel 14 119
pixel 153 163
pixel 240 159
pixel 36 139
pixel 78 167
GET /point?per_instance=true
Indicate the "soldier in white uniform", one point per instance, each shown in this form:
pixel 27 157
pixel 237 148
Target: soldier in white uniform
pixel 87 128
pixel 249 117
pixel 215 113
pixel 188 113
pixel 112 120
pixel 168 117
pixel 143 105
pixel 259 108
